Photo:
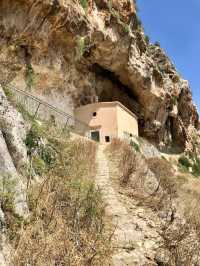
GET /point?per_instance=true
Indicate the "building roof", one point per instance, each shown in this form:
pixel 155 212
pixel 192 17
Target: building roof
pixel 114 103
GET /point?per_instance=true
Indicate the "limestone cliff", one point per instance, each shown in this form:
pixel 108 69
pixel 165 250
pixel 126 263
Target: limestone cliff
pixel 13 161
pixel 70 51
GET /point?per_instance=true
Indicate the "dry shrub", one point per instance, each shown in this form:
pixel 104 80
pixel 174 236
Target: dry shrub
pixel 127 164
pixel 160 167
pixel 182 239
pixel 66 226
pixel 162 198
pixel 115 145
pixel 85 152
pixel 181 234
pixel 130 167
pixel 127 158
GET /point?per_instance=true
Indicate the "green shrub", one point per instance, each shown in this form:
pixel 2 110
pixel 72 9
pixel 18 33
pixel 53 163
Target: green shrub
pixel 138 21
pixel 33 137
pixel 116 15
pixel 29 76
pixel 80 47
pixel 48 154
pixel 26 115
pixel 41 150
pixel 147 39
pixel 174 100
pixel 184 161
pixel 13 221
pixel 7 188
pixel 38 165
pixel 196 168
pixel 135 146
pixel 84 4
pixel 8 92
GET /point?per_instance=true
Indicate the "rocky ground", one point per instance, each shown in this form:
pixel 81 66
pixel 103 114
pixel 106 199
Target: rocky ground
pixel 155 201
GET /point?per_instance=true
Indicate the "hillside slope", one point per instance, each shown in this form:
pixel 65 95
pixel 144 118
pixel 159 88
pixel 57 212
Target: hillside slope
pixel 153 205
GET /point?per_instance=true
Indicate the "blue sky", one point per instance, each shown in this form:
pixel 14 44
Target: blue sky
pixel 176 25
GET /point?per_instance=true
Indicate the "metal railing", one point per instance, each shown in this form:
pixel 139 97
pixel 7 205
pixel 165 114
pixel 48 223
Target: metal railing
pixel 41 110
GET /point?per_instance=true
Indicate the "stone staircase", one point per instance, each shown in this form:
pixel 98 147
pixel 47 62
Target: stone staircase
pixel 130 230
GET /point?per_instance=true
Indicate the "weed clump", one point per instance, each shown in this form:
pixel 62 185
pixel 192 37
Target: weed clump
pixel 135 146
pixel 116 15
pixel 29 76
pixel 81 47
pixel 184 162
pixel 84 4
pixel 196 168
pixel 127 161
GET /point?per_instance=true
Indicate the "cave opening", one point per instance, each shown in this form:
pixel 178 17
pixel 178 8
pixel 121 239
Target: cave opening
pixel 174 144
pixel 108 87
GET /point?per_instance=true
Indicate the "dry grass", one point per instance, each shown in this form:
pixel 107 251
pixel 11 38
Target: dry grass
pixel 127 161
pixel 181 233
pixel 66 225
pixel 176 200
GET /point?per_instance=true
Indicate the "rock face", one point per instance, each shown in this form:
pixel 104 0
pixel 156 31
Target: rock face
pixel 69 54
pixel 13 154
pixel 13 158
pixel 13 129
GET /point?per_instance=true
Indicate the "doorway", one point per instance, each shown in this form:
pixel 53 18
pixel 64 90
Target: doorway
pixel 95 135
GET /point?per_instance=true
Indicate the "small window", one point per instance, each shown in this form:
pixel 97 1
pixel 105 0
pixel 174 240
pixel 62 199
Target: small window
pixel 131 135
pixel 95 135
pixel 107 138
pixel 94 114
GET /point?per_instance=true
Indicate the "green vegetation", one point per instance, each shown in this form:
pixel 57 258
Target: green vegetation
pixel 135 146
pixel 8 93
pixel 84 4
pixel 7 188
pixel 138 21
pixel 184 162
pixel 81 47
pixel 29 76
pixel 193 163
pixel 196 168
pixel 21 109
pixel 7 195
pixel 41 149
pixel 174 100
pixel 147 39
pixel 115 14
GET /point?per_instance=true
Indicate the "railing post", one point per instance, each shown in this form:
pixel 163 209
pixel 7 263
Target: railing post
pixel 36 112
pixel 65 126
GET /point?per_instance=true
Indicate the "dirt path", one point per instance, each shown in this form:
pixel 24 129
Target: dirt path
pixel 134 236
